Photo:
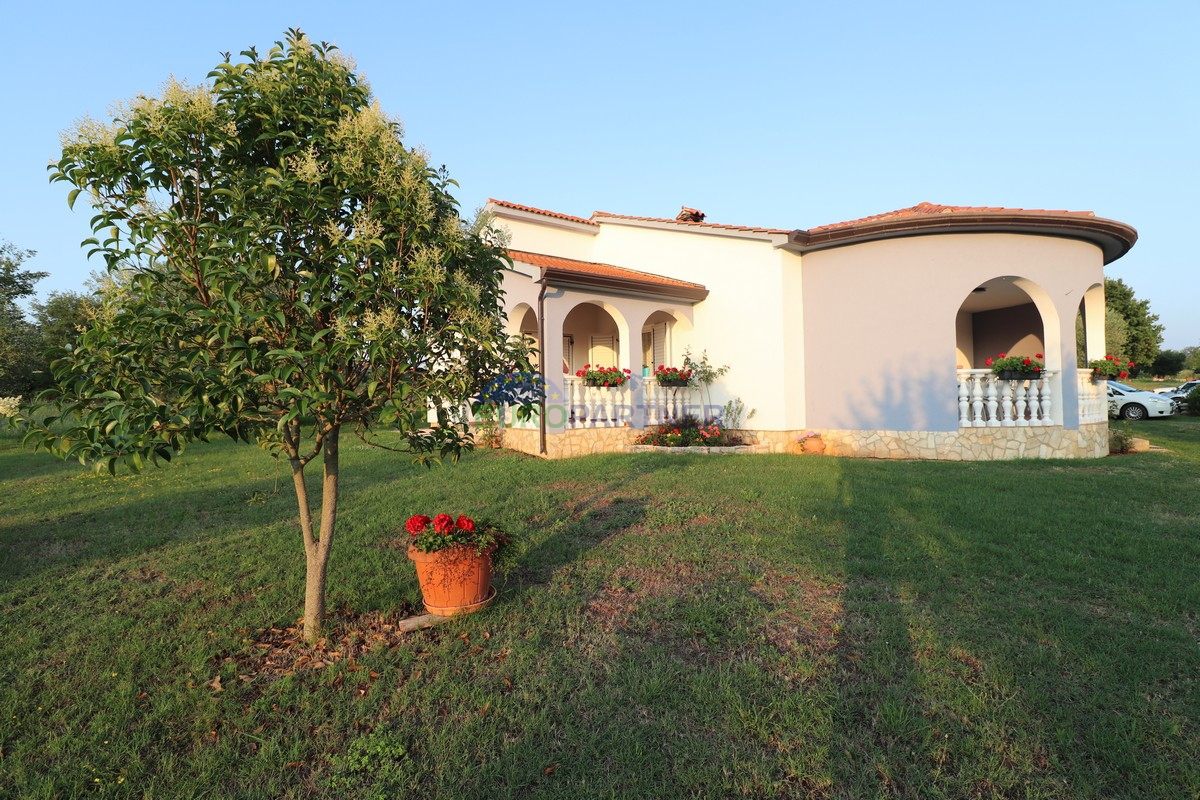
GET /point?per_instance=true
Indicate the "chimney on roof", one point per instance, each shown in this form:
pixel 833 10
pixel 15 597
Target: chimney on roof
pixel 690 215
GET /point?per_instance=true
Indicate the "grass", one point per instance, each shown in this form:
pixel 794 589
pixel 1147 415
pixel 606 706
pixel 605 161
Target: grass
pixel 667 626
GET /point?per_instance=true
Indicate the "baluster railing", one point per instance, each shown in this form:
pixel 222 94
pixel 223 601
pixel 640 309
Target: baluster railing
pixel 1093 397
pixel 984 400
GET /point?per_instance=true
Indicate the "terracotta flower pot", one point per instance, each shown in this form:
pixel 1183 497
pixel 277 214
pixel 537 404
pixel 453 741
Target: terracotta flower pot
pixel 456 580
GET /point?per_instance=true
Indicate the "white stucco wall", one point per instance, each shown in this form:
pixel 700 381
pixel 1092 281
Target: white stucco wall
pixel 880 322
pixel 743 322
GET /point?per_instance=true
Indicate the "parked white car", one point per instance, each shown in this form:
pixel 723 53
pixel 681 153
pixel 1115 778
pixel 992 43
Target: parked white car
pixel 1184 388
pixel 1179 394
pixel 1127 402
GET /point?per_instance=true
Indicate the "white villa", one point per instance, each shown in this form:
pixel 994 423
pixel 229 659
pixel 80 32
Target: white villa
pixel 873 332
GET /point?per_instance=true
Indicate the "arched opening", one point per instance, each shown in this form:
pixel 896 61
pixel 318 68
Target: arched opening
pixel 522 321
pixel 999 316
pixel 591 335
pixel 664 338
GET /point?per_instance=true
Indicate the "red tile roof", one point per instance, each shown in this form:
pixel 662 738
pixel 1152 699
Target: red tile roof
pixel 1114 238
pixel 602 214
pixel 593 268
pixel 932 209
pixel 543 212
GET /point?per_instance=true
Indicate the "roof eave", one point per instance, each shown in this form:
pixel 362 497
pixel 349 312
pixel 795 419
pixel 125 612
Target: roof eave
pixel 505 212
pixel 1113 238
pixel 777 238
pixel 628 286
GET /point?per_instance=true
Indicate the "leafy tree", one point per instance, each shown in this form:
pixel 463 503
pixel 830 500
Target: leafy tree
pixel 290 272
pixel 63 317
pixel 19 343
pixel 1168 362
pixel 1192 356
pixel 15 282
pixel 1144 332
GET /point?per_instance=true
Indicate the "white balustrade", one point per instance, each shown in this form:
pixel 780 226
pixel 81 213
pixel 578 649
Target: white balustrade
pixel 986 401
pixel 1093 398
pixel 577 405
pixel 666 404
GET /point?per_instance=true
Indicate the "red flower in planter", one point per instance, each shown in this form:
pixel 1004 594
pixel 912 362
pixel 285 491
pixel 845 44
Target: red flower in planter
pixel 443 524
pixel 987 362
pixel 416 523
pixel 1038 355
pixel 465 523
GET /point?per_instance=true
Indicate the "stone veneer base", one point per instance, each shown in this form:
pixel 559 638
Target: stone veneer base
pixel 965 444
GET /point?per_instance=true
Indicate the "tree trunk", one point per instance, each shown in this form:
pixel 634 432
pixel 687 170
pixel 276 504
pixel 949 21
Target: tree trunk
pixel 317 548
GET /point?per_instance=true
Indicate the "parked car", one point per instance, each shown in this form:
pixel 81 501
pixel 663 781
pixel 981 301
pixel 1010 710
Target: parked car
pixel 1179 394
pixel 1180 397
pixel 1127 402
pixel 1184 389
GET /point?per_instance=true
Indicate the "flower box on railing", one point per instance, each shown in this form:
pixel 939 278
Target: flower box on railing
pixel 603 376
pixel 1016 368
pixel 673 377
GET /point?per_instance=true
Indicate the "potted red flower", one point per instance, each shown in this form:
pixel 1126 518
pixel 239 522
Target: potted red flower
pixel 1110 368
pixel 672 376
pixel 453 558
pixel 1016 368
pixel 603 376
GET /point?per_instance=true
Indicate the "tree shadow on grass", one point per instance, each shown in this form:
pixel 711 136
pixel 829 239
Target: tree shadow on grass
pixel 989 654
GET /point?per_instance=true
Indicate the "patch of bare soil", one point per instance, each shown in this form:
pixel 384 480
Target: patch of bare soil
pixel 271 653
pixel 804 617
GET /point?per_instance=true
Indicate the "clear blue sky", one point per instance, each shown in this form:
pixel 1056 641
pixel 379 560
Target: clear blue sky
pixel 786 114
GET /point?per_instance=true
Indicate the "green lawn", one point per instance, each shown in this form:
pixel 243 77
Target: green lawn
pixel 672 626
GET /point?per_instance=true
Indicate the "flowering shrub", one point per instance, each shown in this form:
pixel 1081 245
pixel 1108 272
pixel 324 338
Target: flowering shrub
pixel 603 376
pixel 688 431
pixel 437 533
pixel 9 406
pixel 672 376
pixel 1025 365
pixel 1110 368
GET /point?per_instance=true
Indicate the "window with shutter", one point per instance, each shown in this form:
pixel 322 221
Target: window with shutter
pixel 603 351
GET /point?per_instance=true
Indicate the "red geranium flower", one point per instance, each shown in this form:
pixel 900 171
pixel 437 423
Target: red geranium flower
pixel 1038 355
pixel 987 362
pixel 416 523
pixel 443 523
pixel 465 523
pixel 1003 355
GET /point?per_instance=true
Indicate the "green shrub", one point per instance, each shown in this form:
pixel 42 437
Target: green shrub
pixel 1192 403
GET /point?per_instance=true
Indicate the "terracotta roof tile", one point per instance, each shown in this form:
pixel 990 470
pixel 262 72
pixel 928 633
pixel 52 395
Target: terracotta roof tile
pixel 593 268
pixel 932 209
pixel 602 214
pixel 533 210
